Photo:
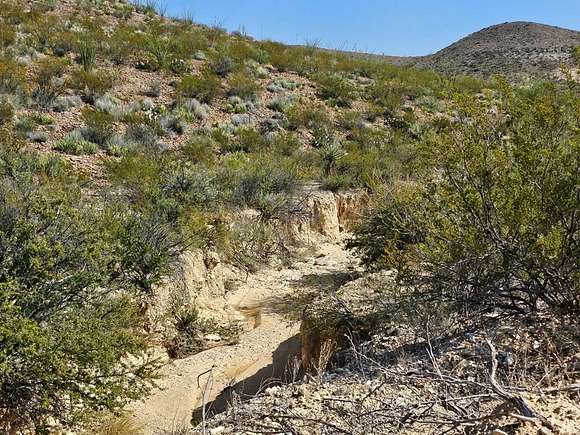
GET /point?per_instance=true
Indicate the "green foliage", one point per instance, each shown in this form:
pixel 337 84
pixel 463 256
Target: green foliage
pixel 99 126
pixel 335 88
pixel 204 87
pixel 199 149
pixel 242 84
pixel 91 84
pixel 245 139
pixel 222 64
pixel 497 229
pixel 12 77
pixel 66 327
pixel 6 111
pixel 49 82
pixel 7 35
pixel 86 53
pixel 74 143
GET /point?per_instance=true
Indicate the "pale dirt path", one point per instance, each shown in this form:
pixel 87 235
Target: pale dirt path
pixel 263 298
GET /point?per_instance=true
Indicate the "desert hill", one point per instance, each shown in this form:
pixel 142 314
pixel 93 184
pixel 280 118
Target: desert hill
pixel 509 48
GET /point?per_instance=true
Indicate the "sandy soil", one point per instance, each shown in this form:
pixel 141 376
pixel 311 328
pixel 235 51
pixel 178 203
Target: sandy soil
pixel 271 301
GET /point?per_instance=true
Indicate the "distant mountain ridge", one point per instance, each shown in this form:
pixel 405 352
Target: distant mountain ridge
pixel 512 49
pixel 516 49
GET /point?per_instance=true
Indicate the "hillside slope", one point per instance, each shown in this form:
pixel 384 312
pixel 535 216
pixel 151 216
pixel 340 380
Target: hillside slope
pixel 518 48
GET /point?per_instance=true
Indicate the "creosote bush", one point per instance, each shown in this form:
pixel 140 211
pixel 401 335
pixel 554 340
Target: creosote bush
pixel 91 84
pixel 69 317
pixel 204 87
pixel 495 230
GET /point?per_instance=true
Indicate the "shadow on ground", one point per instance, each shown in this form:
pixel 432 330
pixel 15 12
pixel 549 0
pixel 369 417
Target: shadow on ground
pixel 284 368
pixel 307 288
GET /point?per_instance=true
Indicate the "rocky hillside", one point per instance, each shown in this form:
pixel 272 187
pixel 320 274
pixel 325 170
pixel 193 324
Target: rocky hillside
pixel 176 200
pixel 512 49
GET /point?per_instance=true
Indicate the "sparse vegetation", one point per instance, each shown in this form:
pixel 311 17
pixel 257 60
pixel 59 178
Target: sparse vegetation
pixel 172 138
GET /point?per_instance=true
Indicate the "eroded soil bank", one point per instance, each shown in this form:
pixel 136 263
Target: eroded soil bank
pixel 269 301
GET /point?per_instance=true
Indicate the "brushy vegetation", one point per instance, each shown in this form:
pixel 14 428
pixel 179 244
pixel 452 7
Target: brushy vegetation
pixel 476 185
pixel 493 225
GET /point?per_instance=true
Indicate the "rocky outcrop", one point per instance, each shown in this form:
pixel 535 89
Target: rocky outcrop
pixel 328 214
pixel 201 278
pixel 351 206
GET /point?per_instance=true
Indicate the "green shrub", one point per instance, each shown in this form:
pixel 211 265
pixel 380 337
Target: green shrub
pixel 199 149
pixel 75 143
pixel 7 35
pixel 159 49
pixel 430 103
pixel 92 84
pixel 222 65
pixel 336 89
pixel 494 230
pixel 242 84
pixel 66 327
pixel 308 115
pixel 86 53
pixel 12 77
pixel 285 143
pixel 246 139
pixel 99 126
pixel 387 94
pixel 6 111
pixel 49 82
pixel 204 87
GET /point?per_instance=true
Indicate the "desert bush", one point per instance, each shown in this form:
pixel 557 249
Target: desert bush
pixel 99 126
pixel 75 143
pixel 330 152
pixel 430 103
pixel 283 103
pixel 191 330
pixel 311 116
pixel 115 107
pixel 141 134
pixel 49 82
pixel 204 87
pixel 245 139
pixel 159 50
pixel 495 229
pixel 199 149
pixel 12 77
pixel 62 42
pixel 386 94
pixel 64 103
pixel 124 44
pixel 173 123
pixel 222 64
pixel 284 143
pixel 7 35
pixel 66 327
pixel 335 88
pixel 86 53
pixel 91 84
pixel 242 84
pixel 6 111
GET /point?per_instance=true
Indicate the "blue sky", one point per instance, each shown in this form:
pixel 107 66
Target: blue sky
pixel 396 27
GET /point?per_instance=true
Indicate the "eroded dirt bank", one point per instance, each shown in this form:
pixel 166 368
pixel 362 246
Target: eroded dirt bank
pixel 268 300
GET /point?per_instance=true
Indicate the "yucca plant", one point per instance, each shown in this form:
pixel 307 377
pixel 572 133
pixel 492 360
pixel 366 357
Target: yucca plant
pixel 331 152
